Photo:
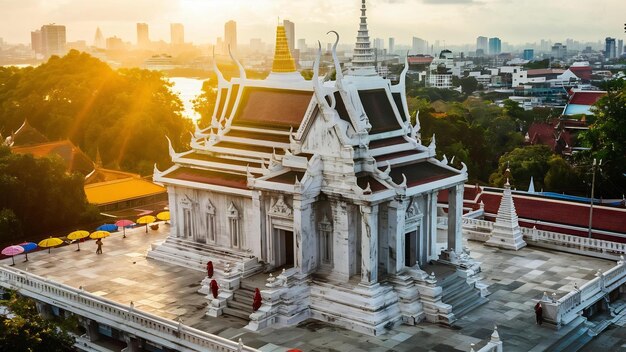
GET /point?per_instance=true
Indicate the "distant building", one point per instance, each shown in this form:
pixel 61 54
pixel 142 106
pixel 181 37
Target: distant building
pixel 420 46
pixel 114 43
pixel 379 44
pixel 392 45
pixel 230 36
pixel 256 45
pixel 290 31
pixel 482 43
pixel 35 41
pixel 609 48
pixel 620 47
pixel 143 37
pixel 529 54
pixel 495 46
pixel 302 44
pixel 49 40
pixel 177 34
pixel 559 51
pixel 98 40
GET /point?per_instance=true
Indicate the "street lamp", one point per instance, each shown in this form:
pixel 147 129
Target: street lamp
pixel 593 187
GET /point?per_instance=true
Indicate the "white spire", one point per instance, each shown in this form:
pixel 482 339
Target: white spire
pixel 506 231
pixel 363 57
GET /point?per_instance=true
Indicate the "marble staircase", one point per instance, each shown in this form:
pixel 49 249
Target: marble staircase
pixel 194 255
pixel 462 296
pixel 576 336
pixel 241 304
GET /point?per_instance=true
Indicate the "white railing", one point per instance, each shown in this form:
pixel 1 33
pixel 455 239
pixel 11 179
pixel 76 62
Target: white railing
pixel 494 344
pixel 109 312
pixel 476 229
pixel 565 309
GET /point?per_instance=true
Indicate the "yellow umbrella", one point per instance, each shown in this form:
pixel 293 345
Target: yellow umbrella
pixel 99 234
pixel 50 242
pixel 164 215
pixel 78 235
pixel 145 220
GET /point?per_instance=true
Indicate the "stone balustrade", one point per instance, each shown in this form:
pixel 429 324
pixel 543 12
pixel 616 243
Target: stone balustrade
pixel 151 327
pixel 479 230
pixel 494 344
pixel 567 308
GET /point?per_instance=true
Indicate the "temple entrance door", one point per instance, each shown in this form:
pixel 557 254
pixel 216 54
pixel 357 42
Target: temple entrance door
pixel 285 248
pixel 410 248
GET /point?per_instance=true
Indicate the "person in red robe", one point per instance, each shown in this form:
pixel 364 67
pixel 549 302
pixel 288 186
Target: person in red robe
pixel 209 269
pixel 257 301
pixel 214 288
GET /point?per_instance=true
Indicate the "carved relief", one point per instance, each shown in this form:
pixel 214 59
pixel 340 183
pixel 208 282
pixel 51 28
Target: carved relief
pixel 210 208
pixel 233 212
pixel 413 213
pixel 281 208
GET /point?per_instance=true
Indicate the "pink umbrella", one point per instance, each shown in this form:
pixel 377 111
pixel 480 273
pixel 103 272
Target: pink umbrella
pixel 12 251
pixel 124 224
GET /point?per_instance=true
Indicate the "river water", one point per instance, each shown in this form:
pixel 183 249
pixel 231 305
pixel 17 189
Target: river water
pixel 187 89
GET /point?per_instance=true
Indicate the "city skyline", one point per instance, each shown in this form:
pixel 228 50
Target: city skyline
pixel 401 19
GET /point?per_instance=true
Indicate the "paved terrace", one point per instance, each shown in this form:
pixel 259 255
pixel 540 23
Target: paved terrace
pixel 123 274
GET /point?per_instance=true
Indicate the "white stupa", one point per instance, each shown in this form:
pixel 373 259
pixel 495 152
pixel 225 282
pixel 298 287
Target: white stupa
pixel 506 232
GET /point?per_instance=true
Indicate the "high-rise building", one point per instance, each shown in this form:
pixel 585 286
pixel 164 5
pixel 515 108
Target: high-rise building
pixel 609 48
pixel 302 44
pixel 559 51
pixel 482 43
pixel 392 45
pixel 495 46
pixel 143 37
pixel 230 35
pixel 177 34
pixel 529 54
pixel 50 40
pixel 620 47
pixel 290 31
pixel 98 40
pixel 256 45
pixel 379 44
pixel 419 46
pixel 35 41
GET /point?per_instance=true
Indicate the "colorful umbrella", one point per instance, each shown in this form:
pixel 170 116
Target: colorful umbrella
pixel 124 224
pixel 107 227
pixel 164 215
pixel 50 242
pixel 145 220
pixel 77 236
pixel 28 247
pixel 99 234
pixel 12 251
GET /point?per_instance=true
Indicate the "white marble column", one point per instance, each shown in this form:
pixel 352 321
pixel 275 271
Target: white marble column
pixel 254 224
pixel 305 240
pixel 431 226
pixel 172 201
pixel 395 237
pixel 369 244
pixel 455 213
pixel 341 252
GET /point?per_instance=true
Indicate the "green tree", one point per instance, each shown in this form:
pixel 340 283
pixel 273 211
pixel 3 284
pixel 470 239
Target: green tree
pixel 523 163
pixel 468 85
pixel 38 195
pixel 606 139
pixel 23 329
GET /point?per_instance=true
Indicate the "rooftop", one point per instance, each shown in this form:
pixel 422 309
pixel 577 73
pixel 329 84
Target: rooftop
pixel 123 189
pixel 123 274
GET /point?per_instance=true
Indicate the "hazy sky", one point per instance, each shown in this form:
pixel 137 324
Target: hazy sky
pixel 455 21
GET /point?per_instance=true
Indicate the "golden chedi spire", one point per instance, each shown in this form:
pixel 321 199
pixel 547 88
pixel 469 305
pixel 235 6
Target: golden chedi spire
pixel 283 61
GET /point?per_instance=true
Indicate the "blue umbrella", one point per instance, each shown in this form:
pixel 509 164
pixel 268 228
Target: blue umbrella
pixel 107 228
pixel 28 247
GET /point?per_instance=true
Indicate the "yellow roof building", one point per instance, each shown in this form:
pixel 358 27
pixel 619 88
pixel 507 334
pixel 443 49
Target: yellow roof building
pixel 103 193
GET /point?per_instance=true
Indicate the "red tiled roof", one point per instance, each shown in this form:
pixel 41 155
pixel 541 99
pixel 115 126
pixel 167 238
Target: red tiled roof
pixel 420 173
pixel 582 72
pixel 560 212
pixel 211 158
pixel 209 177
pixel 272 137
pixel 586 98
pixel 272 108
pixel 396 155
pixel 288 177
pixel 387 142
pixel 363 180
pixel 73 158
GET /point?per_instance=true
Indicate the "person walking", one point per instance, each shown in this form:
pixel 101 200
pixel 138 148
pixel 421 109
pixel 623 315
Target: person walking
pixel 539 313
pixel 99 243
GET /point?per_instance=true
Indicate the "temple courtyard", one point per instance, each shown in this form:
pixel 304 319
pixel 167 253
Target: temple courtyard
pixel 124 274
